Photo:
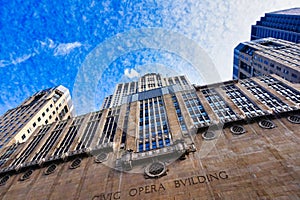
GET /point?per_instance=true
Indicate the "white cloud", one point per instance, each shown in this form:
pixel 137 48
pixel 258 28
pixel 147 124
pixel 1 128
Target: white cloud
pixel 4 63
pixel 131 73
pixel 22 59
pixel 65 48
pixel 58 49
pixel 15 61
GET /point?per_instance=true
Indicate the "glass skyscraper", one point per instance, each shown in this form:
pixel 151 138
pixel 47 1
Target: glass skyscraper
pixel 284 24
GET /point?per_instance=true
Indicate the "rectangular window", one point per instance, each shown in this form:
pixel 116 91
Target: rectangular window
pixel 288 92
pixel 242 101
pixel 264 96
pixel 50 141
pixel 219 106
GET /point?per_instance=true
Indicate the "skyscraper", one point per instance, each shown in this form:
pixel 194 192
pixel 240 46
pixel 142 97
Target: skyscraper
pixel 145 83
pixel 42 108
pixel 283 24
pixel 235 140
pixel 267 56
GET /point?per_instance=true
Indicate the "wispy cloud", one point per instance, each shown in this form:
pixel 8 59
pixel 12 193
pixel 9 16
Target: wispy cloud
pixel 48 45
pixel 15 61
pixel 65 48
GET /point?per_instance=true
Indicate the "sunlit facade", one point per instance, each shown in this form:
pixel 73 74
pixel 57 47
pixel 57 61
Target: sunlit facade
pixel 42 108
pixel 171 140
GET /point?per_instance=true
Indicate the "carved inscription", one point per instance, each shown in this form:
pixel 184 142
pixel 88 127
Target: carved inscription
pixel 154 188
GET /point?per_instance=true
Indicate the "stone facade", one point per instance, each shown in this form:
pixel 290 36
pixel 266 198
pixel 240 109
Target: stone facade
pixel 237 151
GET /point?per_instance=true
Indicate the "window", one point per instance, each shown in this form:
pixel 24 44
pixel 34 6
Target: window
pixel 219 106
pixel 242 101
pixel 75 163
pixel 26 175
pixel 4 180
pixel 209 135
pixel 89 131
pixel 39 119
pixel 46 122
pixel 155 170
pixel 34 124
pixel 50 169
pixel 101 157
pixel 43 114
pixel 51 105
pixel 50 140
pixel 294 119
pixel 237 130
pixel 153 128
pixel 278 68
pixel 288 92
pixel 266 124
pixel 47 109
pixel 23 137
pixel 264 96
pixel 69 137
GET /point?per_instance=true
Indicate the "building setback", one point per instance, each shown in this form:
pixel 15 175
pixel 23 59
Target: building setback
pixel 232 140
pixel 44 107
pixel 283 24
pixel 267 56
pixel 147 82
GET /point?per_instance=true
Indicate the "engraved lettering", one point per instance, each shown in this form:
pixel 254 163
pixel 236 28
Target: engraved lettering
pixel 177 183
pixel 147 189
pixel 201 177
pixel 133 192
pixel 96 197
pixel 153 188
pixel 161 186
pixel 194 183
pixel 141 189
pixel 214 176
pixel 117 195
pixel 183 183
pixel 223 175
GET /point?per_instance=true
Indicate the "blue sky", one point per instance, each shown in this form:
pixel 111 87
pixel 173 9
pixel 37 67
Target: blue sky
pixel 45 43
